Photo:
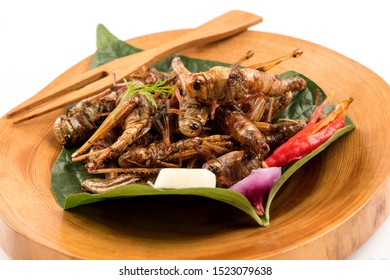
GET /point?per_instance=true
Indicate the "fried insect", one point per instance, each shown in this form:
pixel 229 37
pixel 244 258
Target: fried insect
pixel 99 185
pixel 232 167
pixel 84 118
pixel 136 112
pixel 236 165
pixel 174 155
pixel 278 133
pixel 265 66
pixel 125 176
pixel 264 110
pixel 224 85
pixel 233 122
pixel 163 120
pixel 193 115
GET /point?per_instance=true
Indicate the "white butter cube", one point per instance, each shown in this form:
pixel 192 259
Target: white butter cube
pixel 182 178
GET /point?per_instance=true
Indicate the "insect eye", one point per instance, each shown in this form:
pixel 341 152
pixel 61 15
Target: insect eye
pixel 197 85
pixel 216 170
pixel 194 126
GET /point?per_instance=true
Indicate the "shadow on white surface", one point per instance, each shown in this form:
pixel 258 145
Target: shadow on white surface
pixel 3 256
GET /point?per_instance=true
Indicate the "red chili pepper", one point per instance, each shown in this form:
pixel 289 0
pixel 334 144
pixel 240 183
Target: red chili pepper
pixel 311 136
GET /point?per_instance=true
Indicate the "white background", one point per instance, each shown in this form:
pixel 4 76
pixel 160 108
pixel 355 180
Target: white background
pixel 41 39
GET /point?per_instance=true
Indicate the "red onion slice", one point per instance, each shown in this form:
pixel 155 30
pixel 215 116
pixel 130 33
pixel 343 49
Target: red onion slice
pixel 257 186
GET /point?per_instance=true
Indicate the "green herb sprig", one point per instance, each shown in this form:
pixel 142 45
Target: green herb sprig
pixel 148 90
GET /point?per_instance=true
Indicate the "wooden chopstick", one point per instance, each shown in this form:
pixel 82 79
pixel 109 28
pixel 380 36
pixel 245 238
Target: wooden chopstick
pixel 98 79
pixel 61 90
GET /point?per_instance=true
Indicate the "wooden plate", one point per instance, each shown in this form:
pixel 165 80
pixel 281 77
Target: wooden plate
pixel 327 210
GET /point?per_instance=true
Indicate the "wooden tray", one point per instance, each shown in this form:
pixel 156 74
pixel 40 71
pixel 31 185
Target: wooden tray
pixel 328 209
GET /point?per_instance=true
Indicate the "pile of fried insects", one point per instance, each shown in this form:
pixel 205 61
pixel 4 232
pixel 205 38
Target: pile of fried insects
pixel 218 120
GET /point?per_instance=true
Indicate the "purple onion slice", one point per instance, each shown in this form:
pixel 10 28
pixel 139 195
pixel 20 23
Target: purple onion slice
pixel 257 186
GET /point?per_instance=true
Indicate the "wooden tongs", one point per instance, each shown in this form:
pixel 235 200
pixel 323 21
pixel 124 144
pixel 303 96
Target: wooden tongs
pixel 100 78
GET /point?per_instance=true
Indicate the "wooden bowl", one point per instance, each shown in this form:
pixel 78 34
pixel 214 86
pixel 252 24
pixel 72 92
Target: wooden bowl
pixel 327 210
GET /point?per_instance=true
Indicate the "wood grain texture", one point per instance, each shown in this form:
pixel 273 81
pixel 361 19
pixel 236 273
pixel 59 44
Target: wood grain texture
pixel 327 210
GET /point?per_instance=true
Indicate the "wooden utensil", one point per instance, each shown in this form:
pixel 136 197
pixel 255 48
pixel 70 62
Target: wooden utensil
pixel 100 78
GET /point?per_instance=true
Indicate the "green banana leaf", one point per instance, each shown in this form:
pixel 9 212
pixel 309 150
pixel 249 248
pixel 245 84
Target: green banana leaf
pixel 67 176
